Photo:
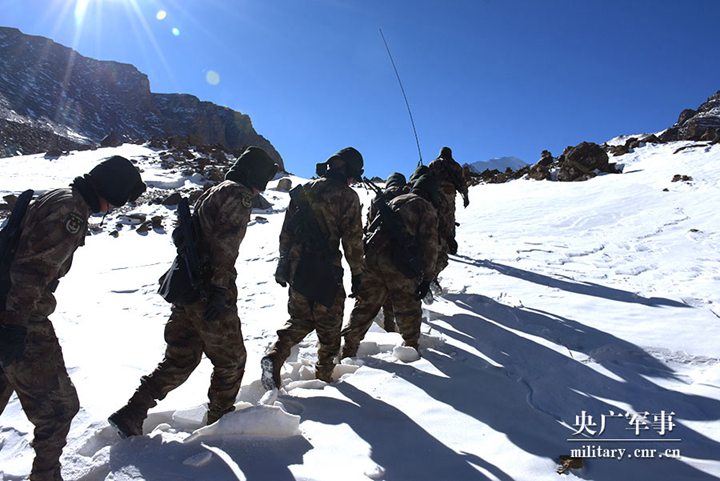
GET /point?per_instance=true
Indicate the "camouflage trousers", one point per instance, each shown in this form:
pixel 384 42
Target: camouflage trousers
pixel 377 286
pixel 188 337
pixel 306 316
pixel 47 396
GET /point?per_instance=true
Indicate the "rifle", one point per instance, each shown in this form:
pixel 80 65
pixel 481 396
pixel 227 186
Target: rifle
pixel 403 249
pixel 183 281
pixel 189 248
pixel 9 238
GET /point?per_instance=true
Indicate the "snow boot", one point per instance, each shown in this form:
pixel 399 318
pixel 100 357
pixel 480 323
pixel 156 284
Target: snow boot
pixel 324 372
pixel 128 420
pixel 349 350
pixel 270 377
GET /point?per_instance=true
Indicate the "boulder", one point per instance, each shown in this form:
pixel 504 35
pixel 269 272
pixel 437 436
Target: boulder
pixel 260 202
pixel 172 199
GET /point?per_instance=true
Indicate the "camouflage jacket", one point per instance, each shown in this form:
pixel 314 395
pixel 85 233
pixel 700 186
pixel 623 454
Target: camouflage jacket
pixel 223 213
pixel 337 209
pixel 450 176
pixel 54 226
pixel 421 222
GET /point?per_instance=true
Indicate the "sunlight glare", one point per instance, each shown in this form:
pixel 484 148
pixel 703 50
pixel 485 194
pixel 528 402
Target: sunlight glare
pixel 212 77
pixel 161 15
pixel 176 31
pixel 80 10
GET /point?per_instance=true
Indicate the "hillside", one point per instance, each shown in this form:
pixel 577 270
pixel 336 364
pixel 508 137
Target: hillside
pixel 53 98
pixel 599 297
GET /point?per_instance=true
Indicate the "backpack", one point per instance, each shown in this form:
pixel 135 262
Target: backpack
pixel 9 238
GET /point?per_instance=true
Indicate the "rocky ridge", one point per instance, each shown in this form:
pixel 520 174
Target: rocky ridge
pixel 51 98
pixel 587 159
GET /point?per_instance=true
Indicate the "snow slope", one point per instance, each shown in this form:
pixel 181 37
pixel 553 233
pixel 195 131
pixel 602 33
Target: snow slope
pixel 565 298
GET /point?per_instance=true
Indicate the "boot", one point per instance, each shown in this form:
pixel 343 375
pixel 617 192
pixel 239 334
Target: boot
pixel 270 377
pixel 349 350
pixel 324 372
pixel 128 420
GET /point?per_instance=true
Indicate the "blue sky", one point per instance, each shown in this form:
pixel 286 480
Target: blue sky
pixel 488 78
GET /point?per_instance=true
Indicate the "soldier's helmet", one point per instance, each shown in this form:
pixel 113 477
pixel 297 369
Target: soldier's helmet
pixel 117 180
pixel 427 187
pixel 254 168
pixel 395 180
pixel 446 153
pixel 349 159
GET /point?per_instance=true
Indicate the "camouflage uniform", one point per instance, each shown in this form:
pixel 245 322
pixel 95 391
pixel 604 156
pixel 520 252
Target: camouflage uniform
pixel 383 279
pixel 389 193
pixel 452 181
pixel 54 226
pixel 337 209
pixel 223 213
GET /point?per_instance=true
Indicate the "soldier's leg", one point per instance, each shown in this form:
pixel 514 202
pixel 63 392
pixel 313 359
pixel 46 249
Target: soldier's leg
pixel 328 322
pixel 182 355
pixel 47 396
pixel 389 316
pixel 368 303
pixel 223 344
pixel 295 329
pixel 408 309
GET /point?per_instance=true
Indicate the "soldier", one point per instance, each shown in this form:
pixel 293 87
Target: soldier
pixel 385 278
pixel 209 325
pixel 322 213
pixel 451 179
pixel 395 185
pixel 31 360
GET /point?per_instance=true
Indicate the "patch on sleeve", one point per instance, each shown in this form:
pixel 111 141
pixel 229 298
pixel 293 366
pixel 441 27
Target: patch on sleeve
pixel 246 201
pixel 73 223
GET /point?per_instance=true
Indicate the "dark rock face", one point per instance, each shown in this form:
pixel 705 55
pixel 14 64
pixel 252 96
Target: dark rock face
pixel 51 94
pixel 701 124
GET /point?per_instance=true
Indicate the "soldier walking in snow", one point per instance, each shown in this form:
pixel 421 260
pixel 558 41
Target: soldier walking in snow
pixel 322 213
pixel 395 185
pixel 31 360
pixel 207 323
pixel 407 281
pixel 452 181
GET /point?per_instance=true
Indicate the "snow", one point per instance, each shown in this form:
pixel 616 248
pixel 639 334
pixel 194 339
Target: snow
pixel 596 296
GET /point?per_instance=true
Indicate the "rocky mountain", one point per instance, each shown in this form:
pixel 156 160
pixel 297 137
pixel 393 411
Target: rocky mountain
pixel 51 97
pixel 497 163
pixel 700 124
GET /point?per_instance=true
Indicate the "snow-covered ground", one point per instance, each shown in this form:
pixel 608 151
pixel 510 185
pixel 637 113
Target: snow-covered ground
pixel 569 305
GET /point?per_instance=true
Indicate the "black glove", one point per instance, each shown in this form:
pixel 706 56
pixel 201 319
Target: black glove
pixel 12 343
pixel 422 290
pixel 282 271
pixel 216 304
pixel 466 200
pixel 452 246
pixel 355 285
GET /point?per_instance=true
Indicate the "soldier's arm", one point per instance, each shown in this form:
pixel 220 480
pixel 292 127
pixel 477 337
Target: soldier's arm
pixel 287 231
pixel 44 255
pixel 427 233
pixel 352 235
pixel 459 178
pixel 228 228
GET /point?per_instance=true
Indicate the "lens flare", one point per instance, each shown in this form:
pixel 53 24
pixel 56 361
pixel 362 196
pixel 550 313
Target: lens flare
pixel 161 15
pixel 176 31
pixel 212 77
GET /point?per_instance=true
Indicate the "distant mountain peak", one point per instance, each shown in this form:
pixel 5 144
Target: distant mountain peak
pixel 497 163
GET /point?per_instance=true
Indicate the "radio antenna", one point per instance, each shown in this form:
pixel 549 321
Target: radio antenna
pixel 402 89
